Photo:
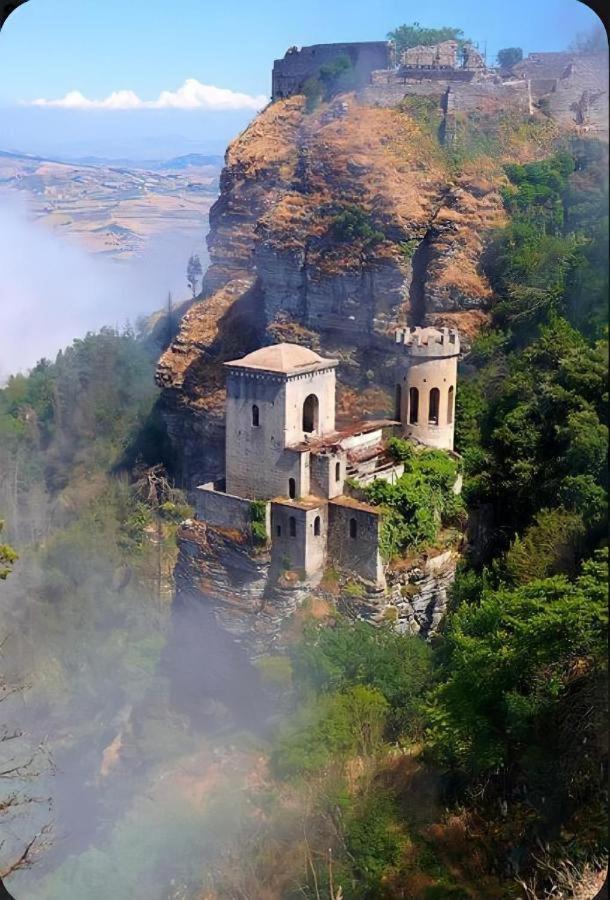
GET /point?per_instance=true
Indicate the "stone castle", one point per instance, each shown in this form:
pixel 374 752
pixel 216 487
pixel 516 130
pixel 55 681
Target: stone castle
pixel 570 87
pixel 283 450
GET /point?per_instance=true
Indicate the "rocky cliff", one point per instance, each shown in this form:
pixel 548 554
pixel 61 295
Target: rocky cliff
pixel 334 226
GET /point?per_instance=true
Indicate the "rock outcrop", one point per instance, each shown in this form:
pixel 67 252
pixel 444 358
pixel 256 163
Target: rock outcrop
pixel 332 228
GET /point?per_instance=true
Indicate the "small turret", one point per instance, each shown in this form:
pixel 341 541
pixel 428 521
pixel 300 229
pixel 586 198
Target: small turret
pixel 426 382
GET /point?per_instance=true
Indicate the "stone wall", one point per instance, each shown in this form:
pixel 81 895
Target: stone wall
pixel 224 510
pixel 454 95
pixel 324 467
pixel 355 549
pixel 299 537
pixel 299 64
pixel 257 461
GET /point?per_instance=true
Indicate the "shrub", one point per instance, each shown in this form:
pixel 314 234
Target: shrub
pixel 354 224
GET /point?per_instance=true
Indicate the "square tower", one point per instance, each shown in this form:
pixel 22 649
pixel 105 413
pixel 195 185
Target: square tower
pixel 277 398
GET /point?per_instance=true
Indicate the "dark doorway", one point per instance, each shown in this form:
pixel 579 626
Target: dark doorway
pixel 292 488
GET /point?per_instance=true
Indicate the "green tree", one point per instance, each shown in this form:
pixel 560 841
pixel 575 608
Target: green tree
pixel 509 57
pixel 405 36
pixel 509 668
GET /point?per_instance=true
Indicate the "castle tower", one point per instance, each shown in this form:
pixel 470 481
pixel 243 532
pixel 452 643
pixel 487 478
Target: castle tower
pixel 278 398
pixel 426 384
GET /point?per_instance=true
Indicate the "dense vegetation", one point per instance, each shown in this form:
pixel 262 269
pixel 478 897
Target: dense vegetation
pixel 420 502
pixel 470 767
pixel 476 767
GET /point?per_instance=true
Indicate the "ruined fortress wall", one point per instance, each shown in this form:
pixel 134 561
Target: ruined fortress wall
pixel 581 97
pixel 453 95
pixel 488 97
pixel 391 92
pixel 291 72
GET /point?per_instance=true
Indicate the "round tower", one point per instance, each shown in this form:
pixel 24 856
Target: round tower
pixel 426 383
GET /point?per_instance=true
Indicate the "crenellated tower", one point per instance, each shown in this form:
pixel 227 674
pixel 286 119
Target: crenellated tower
pixel 426 383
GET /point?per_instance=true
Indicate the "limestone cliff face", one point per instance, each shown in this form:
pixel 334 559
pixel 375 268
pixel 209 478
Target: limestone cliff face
pixel 282 269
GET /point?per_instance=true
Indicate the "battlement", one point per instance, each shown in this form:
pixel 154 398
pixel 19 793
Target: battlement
pixel 429 342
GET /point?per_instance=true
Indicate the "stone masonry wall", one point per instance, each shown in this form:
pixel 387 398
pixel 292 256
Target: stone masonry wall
pixel 223 510
pixel 357 555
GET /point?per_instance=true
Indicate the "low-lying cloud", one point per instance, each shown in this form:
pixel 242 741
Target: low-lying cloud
pixel 191 95
pixel 52 291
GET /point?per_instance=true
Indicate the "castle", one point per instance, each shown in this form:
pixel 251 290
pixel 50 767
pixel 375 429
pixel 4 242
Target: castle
pixel 570 87
pixel 286 460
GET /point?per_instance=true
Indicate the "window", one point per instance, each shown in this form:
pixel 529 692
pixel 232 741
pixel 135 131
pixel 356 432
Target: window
pixel 337 471
pixel 450 406
pixel 278 530
pixel 316 526
pixel 292 526
pixel 398 402
pixel 310 414
pixel 413 406
pixel 255 416
pixel 353 528
pixel 292 488
pixel 435 397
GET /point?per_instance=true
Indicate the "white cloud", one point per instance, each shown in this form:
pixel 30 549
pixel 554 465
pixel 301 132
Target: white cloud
pixel 191 95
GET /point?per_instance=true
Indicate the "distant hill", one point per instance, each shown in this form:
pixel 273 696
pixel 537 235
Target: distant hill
pixel 115 206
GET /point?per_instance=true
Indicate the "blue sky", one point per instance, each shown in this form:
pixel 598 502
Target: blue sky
pixel 49 48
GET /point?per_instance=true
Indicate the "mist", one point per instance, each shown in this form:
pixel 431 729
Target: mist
pixel 52 291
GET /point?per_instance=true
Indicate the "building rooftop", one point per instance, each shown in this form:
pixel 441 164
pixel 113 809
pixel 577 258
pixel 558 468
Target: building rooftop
pixel 308 502
pixel 318 443
pixel 283 358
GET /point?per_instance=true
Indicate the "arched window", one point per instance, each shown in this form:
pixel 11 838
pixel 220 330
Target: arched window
pixel 292 526
pixel 413 406
pixel 398 402
pixel 316 526
pixel 353 528
pixel 278 530
pixel 450 406
pixel 435 397
pixel 310 414
pixel 255 416
pixel 292 488
pixel 337 471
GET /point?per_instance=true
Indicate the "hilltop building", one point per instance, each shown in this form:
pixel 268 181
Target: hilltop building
pixel 571 87
pixel 285 457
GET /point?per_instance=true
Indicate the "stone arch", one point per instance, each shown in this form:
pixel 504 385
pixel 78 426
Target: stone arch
pixel 413 406
pixel 311 408
pixel 255 416
pixel 433 406
pixel 450 394
pixel 292 488
pixel 317 526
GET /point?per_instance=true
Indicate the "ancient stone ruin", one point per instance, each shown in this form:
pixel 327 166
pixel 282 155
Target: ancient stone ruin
pixel 284 452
